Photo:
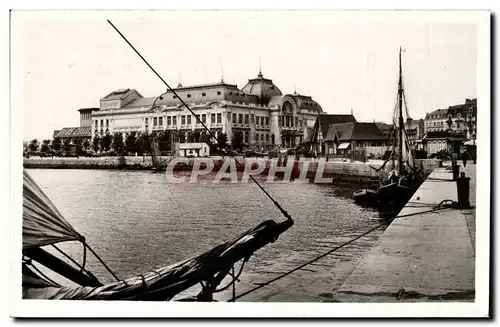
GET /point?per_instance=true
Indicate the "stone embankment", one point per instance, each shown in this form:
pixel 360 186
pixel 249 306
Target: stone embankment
pixel 343 171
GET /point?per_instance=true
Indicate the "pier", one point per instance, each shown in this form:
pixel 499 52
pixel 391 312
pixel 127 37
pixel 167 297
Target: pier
pixel 421 256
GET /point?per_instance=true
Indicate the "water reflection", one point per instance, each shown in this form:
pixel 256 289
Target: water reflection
pixel 137 221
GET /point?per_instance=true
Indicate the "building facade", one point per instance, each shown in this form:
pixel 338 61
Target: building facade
pixel 459 118
pixel 365 138
pixel 79 134
pixel 447 129
pixel 265 117
pixel 443 141
pixel 321 126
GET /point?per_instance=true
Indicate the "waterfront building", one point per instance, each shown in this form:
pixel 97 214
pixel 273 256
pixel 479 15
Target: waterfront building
pixel 459 118
pixel 436 121
pixel 355 137
pixel 415 130
pixel 193 149
pixel 436 141
pixel 321 127
pixel 265 117
pixel 77 134
pixel 447 129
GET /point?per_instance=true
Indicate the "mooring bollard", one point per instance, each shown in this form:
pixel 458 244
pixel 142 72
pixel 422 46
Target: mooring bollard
pixel 455 169
pixel 463 191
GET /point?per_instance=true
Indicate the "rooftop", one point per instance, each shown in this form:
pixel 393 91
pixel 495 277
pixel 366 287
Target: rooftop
pixel 325 120
pixel 120 94
pixel 354 131
pixel 74 132
pixel 187 146
pixel 88 109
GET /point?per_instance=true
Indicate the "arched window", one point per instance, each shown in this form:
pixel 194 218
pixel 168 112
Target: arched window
pixel 287 107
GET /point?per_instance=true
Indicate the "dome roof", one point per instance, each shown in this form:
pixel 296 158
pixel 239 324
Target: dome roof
pixel 261 87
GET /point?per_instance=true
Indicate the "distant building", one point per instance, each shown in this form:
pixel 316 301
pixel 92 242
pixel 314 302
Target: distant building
pixel 82 133
pixel 436 121
pixel 449 128
pixel 459 118
pixel 386 129
pixel 321 126
pixel 415 130
pixel 442 140
pixel 355 137
pixel 266 118
pixel 193 149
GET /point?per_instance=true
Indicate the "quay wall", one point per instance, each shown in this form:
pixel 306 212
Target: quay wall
pixel 352 170
pixel 422 256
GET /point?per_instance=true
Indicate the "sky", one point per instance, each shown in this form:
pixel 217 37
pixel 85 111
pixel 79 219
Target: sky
pixel 344 62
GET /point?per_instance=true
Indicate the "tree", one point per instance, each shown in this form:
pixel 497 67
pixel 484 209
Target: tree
pixel 106 142
pixel 67 145
pixel 143 144
pixel 86 145
pixel 131 142
pixel 205 137
pixel 237 141
pixel 56 145
pixel 190 137
pixel 78 146
pixel 195 137
pixel 222 141
pixel 118 143
pixel 33 146
pixel 96 143
pixel 45 146
pixel 164 141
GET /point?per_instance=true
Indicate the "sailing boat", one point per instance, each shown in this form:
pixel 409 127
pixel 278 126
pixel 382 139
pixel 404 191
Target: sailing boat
pixel 404 178
pixel 44 226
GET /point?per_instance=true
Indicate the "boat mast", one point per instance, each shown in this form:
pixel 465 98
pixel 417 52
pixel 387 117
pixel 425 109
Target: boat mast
pixel 401 122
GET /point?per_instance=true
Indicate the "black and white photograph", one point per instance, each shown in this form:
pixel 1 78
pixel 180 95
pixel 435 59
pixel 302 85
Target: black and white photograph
pixel 250 163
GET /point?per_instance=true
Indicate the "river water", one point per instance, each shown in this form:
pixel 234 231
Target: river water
pixel 138 221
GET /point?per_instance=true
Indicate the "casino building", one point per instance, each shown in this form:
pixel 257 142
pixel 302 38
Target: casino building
pixel 266 118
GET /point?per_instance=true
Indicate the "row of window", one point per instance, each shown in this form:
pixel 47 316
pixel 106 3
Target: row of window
pixel 435 123
pixel 218 93
pixel 259 137
pixel 185 120
pixel 96 122
pixel 245 119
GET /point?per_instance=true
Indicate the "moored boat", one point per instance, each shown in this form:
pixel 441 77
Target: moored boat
pixel 405 177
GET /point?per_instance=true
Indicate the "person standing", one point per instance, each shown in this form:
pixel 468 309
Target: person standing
pixel 465 156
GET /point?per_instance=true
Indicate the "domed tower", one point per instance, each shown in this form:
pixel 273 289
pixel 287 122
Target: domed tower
pixel 261 87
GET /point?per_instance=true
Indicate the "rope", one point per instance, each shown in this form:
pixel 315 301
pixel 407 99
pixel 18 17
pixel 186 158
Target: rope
pixel 82 268
pixel 102 262
pixel 29 263
pixel 438 207
pixel 283 211
pixel 235 278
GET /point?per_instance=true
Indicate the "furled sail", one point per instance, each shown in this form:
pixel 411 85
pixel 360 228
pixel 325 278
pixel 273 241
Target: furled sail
pixel 407 151
pixel 43 224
